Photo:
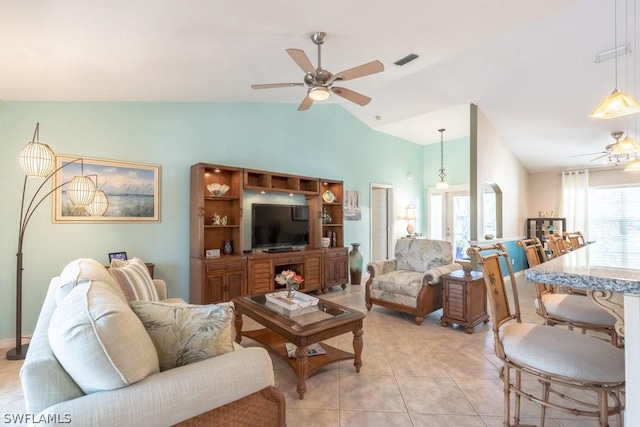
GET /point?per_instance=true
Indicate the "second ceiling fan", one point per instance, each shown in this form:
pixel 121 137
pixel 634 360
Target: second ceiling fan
pixel 319 82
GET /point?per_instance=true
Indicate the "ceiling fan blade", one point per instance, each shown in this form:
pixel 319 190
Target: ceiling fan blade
pixel 273 85
pixel 361 70
pixel 305 104
pixel 589 154
pixel 600 157
pixel 352 96
pixel 301 59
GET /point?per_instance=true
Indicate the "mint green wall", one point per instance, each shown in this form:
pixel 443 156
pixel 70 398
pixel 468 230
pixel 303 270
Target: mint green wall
pixel 325 141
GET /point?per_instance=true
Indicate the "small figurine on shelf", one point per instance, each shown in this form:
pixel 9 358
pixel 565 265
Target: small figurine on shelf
pixel 215 219
pixel 228 247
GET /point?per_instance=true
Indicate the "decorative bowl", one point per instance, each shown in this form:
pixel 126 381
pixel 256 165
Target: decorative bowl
pixel 325 242
pixel 218 189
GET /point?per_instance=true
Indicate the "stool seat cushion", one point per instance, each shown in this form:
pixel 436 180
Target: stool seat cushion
pixel 562 352
pixel 576 308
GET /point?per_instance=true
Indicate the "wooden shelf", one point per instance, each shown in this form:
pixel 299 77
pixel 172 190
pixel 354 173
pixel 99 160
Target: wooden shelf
pixel 283 183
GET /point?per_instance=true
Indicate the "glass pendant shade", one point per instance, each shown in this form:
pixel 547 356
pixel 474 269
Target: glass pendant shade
pixel 634 166
pixel 37 159
pixel 442 185
pixel 618 104
pixel 81 190
pixel 626 146
pixel 319 93
pixel 99 205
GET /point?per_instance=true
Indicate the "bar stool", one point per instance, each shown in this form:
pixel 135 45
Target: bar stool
pixel 558 358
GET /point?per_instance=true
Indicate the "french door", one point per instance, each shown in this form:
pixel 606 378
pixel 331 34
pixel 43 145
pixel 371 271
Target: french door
pixel 449 217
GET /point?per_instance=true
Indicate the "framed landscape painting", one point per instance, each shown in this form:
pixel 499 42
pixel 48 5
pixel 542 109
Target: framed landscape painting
pixel 132 189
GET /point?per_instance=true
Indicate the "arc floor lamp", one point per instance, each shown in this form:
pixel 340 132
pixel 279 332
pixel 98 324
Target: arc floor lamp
pixel 39 160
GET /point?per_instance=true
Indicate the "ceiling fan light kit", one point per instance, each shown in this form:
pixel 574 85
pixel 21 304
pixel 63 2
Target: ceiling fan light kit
pixel 319 82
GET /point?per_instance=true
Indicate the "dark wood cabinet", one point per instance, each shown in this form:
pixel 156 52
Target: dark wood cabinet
pixel 336 267
pixel 219 280
pixel 541 227
pixel 464 299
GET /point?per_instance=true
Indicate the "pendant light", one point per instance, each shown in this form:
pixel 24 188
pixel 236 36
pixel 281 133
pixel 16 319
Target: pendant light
pixel 617 104
pixel 442 177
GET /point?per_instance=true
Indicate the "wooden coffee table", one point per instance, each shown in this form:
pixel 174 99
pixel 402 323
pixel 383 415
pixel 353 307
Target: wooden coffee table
pixel 329 320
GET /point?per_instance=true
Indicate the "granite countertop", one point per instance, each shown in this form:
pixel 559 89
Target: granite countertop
pixel 594 266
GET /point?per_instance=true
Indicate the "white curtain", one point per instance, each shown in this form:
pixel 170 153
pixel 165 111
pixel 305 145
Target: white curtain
pixel 575 200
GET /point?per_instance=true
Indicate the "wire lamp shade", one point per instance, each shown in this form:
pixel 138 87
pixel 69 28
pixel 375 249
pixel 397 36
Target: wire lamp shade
pixel 99 205
pixel 81 190
pixel 37 159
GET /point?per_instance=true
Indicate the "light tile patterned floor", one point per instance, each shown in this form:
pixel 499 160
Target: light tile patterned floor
pixel 412 375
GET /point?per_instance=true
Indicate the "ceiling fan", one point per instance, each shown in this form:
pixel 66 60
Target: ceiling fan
pixel 319 82
pixel 618 151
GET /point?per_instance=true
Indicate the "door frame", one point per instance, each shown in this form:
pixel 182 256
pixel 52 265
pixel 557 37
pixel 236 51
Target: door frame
pixel 390 219
pixel 446 200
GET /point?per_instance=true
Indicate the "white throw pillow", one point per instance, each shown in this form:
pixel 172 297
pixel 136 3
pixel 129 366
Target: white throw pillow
pixel 184 333
pixel 99 341
pixel 134 279
pixel 84 270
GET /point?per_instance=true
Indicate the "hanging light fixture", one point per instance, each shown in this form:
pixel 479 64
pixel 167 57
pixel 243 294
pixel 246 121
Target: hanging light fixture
pixel 37 159
pixel 81 190
pixel 633 166
pixel 617 104
pixel 442 177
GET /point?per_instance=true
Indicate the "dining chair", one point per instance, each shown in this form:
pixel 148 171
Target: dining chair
pixel 566 308
pixel 575 238
pixel 562 361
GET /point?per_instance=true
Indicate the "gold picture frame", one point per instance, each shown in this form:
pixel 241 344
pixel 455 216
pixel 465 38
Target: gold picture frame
pixel 133 190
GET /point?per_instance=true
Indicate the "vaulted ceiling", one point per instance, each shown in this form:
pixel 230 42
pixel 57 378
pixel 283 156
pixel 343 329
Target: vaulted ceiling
pixel 529 66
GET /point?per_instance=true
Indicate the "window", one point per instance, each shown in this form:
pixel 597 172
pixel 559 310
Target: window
pixel 614 220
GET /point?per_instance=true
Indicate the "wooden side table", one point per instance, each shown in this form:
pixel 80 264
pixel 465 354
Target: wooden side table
pixel 464 299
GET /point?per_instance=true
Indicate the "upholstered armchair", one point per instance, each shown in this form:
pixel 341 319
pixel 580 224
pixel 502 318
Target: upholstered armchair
pixel 410 282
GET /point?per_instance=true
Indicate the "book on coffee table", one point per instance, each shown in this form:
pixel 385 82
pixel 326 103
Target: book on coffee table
pixel 312 350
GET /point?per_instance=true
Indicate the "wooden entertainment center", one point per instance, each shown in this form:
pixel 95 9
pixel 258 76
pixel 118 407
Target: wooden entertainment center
pixel 217 219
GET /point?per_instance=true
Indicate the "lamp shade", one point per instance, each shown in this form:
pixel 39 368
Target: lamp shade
pixel 617 104
pixel 442 185
pixel 81 190
pixel 99 205
pixel 627 146
pixel 37 159
pixel 410 213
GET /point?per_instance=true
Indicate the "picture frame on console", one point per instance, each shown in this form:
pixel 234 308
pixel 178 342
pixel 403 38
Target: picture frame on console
pixel 121 256
pixel 132 190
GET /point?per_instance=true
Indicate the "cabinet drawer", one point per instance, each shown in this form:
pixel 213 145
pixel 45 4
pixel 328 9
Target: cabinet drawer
pixel 338 253
pixel 299 259
pixel 228 265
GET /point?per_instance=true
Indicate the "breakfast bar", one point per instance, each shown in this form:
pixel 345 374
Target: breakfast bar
pixel 596 267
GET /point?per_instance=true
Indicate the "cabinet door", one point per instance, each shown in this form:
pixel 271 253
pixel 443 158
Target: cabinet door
pixel 214 287
pixel 313 272
pixel 260 275
pixel 233 286
pixel 455 300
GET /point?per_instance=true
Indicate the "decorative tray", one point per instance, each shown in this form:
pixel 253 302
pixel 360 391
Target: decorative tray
pixel 299 300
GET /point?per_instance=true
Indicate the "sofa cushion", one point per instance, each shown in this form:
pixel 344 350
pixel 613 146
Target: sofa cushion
pixel 184 333
pixel 84 270
pixel 99 341
pixel 134 279
pixel 422 254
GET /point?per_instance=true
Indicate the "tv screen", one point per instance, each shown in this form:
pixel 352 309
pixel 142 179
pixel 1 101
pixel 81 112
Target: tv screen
pixel 279 225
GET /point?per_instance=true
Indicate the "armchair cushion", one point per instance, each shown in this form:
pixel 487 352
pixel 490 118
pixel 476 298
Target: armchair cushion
pixel 184 333
pixel 99 341
pixel 83 270
pixel 422 254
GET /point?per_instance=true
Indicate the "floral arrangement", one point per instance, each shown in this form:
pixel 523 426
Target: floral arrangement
pixel 289 277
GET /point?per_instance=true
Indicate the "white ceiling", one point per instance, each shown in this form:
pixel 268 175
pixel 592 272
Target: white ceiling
pixel 529 66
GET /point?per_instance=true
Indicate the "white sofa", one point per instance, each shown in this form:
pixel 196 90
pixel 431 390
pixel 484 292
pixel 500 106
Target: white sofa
pixel 215 391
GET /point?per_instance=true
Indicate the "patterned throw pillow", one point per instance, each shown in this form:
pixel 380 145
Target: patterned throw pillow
pixel 185 333
pixel 134 279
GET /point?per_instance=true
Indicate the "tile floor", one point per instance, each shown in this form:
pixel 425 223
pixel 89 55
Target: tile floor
pixel 411 375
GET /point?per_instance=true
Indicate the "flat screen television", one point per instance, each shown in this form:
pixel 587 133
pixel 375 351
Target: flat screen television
pixel 279 225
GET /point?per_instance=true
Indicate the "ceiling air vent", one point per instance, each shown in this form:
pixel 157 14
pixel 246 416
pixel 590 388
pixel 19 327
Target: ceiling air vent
pixel 406 59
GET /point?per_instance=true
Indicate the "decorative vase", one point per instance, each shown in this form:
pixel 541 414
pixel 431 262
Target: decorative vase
pixel 228 247
pixel 355 264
